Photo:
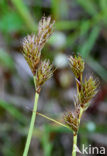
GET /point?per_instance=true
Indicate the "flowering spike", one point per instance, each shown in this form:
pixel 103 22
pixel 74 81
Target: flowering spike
pixel 77 65
pixel 72 120
pixel 44 72
pixel 32 45
pixel 31 52
pixel 88 91
pixel 45 29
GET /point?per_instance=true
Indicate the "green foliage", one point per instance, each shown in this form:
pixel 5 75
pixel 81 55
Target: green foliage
pixel 10 22
pixel 88 6
pixel 13 111
pixel 46 143
pixel 89 43
pixel 6 60
pixel 25 14
pixel 97 68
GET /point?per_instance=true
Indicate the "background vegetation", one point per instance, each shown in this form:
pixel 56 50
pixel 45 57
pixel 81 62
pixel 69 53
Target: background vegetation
pixel 81 27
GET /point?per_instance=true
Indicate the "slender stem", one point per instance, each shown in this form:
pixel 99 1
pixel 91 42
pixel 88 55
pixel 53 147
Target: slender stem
pixel 75 135
pixel 31 126
pixel 78 83
pixel 57 122
pixel 80 115
pixel 74 145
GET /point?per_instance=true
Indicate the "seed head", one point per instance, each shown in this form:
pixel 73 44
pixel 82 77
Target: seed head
pixel 88 91
pixel 31 52
pixel 44 72
pixel 45 29
pixel 72 120
pixel 32 45
pixel 77 65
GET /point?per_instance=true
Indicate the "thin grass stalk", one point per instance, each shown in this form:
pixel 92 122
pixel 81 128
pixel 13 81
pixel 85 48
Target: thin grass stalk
pixel 31 126
pixel 74 145
pixel 80 115
pixel 75 136
pixel 53 120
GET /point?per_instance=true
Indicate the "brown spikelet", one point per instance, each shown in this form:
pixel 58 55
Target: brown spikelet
pixel 45 29
pixel 44 72
pixel 31 52
pixel 32 45
pixel 77 65
pixel 72 120
pixel 88 90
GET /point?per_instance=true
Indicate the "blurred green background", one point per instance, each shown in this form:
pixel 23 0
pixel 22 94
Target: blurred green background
pixel 81 27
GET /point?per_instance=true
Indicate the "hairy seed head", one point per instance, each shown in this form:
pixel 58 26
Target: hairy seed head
pixel 31 52
pixel 77 65
pixel 44 72
pixel 32 45
pixel 45 29
pixel 72 120
pixel 88 91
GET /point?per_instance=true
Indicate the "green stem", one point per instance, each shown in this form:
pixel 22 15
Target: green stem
pixel 75 135
pixel 74 145
pixel 31 126
pixel 80 115
pixel 57 122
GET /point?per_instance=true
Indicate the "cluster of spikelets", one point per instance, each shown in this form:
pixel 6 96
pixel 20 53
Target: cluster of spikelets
pixel 32 46
pixel 85 92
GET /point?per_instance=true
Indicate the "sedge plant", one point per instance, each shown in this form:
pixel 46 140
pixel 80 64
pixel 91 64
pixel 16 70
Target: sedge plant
pixel 42 70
